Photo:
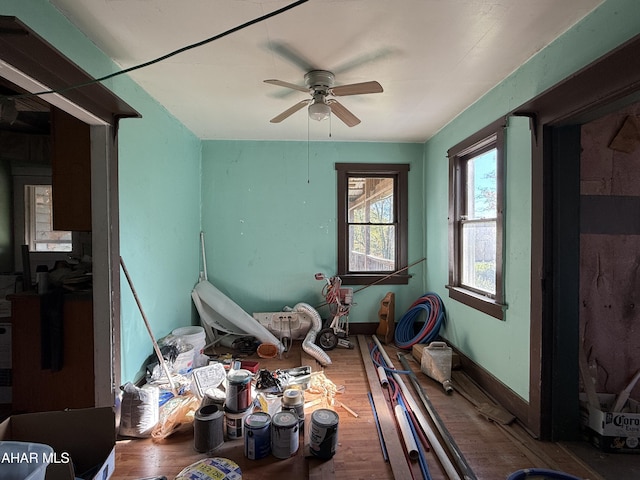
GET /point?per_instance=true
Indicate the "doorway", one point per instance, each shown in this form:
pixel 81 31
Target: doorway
pixel 608 85
pixel 33 65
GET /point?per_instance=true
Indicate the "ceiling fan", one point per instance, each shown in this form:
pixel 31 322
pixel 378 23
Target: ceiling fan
pixel 320 85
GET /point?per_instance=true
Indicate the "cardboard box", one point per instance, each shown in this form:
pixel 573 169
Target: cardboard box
pixel 611 432
pixel 83 440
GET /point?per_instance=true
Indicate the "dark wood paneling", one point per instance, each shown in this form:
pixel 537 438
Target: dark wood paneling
pixel 71 172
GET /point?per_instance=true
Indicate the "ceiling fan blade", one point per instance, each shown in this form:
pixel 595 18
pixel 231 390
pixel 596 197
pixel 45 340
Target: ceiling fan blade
pixel 290 111
pixel 349 119
pixel 292 55
pixel 280 83
pixel 357 89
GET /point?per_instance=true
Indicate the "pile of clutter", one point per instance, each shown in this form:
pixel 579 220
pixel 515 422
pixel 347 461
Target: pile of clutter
pixel 220 400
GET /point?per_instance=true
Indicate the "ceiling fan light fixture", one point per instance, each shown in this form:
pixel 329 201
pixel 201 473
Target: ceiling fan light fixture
pixel 319 111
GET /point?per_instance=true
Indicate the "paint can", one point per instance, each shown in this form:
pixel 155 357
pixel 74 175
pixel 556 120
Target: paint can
pixel 293 400
pixel 208 428
pixel 323 438
pixel 257 435
pixel 235 423
pixel 284 434
pixel 214 396
pixel 238 390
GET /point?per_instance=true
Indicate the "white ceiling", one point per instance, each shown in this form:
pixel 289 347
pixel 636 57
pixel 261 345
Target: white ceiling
pixel 432 57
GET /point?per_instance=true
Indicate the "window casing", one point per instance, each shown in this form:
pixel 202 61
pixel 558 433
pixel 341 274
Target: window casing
pixel 476 187
pixel 372 222
pixel 39 233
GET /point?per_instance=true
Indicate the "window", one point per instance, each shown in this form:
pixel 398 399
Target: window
pixel 39 233
pixel 372 222
pixel 475 221
pixel 33 215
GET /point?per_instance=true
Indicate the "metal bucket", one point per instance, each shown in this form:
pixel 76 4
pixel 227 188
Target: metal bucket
pixel 257 435
pixel 323 438
pixel 284 434
pixel 238 390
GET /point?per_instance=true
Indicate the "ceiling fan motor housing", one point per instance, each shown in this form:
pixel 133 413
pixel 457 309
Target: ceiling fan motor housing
pixel 320 81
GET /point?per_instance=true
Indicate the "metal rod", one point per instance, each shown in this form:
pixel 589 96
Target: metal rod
pixel 448 439
pixel 375 417
pixel 146 323
pixel 390 275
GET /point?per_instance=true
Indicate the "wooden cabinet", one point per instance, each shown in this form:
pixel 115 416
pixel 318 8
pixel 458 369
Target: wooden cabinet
pixel 71 172
pixel 35 388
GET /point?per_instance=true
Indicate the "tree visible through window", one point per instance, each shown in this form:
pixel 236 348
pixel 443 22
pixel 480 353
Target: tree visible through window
pixel 372 221
pixel 475 221
pixel 371 224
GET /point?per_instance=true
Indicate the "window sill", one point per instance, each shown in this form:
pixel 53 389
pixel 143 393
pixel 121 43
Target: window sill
pixel 378 279
pixel 478 302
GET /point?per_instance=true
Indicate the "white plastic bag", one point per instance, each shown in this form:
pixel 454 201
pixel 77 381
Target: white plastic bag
pixel 139 411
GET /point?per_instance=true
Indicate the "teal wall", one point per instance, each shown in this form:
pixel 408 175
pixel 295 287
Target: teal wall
pixel 268 208
pixel 159 162
pixel 269 216
pixel 502 347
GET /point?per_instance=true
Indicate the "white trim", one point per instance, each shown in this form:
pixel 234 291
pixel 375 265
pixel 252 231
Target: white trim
pixel 33 86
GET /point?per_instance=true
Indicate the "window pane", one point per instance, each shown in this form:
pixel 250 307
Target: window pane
pixel 370 200
pixel 478 267
pixel 39 232
pixel 482 187
pixel 372 248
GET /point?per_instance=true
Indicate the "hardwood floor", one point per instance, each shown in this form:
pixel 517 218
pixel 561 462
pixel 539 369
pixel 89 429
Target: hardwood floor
pixel 492 451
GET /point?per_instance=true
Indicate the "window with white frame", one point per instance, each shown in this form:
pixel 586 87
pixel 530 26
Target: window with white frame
pixel 475 221
pixel 39 233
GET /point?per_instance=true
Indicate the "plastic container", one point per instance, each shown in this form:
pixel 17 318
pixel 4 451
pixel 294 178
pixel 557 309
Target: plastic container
pixel 436 363
pixel 25 461
pixel 183 363
pixel 195 336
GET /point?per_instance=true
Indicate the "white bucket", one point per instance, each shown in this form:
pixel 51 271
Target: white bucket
pixel 193 335
pixel 183 363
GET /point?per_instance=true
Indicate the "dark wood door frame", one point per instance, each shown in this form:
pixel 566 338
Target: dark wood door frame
pixel 32 56
pixel 606 85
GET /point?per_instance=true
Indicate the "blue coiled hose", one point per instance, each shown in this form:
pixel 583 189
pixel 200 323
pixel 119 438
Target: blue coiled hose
pixel 430 303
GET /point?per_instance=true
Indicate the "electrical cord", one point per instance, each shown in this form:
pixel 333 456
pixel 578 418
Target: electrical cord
pixel 163 57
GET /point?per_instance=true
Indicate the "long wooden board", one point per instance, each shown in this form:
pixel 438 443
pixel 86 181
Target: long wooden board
pixel 399 466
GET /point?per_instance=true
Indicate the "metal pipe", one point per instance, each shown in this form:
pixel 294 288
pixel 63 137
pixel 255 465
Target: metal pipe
pixel 448 439
pixel 385 455
pixel 450 470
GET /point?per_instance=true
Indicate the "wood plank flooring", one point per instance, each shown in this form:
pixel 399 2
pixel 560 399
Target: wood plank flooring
pixel 493 451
